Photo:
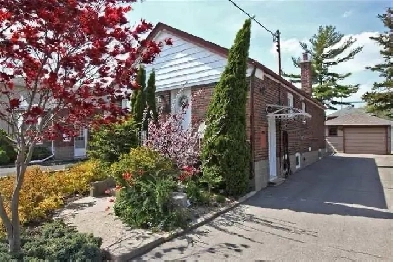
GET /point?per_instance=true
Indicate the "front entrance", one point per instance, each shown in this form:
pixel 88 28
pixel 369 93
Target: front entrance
pixel 180 98
pixel 80 144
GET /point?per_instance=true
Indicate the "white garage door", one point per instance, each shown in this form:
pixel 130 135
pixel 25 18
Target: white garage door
pixel 365 140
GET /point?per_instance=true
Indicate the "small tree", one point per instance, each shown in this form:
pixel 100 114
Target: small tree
pixel 109 142
pixel 69 60
pixel 225 154
pixel 380 98
pixel 170 139
pixel 140 97
pixel 151 100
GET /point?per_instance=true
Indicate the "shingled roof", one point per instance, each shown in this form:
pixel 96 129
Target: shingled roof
pixel 358 119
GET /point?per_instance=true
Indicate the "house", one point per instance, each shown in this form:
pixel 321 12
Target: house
pixel 61 149
pixel 285 125
pixel 352 130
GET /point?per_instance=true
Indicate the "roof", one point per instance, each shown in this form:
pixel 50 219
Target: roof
pixel 224 51
pixel 346 111
pixel 358 119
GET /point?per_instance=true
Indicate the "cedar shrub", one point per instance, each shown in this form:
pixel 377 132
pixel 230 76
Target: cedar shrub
pixel 151 100
pixel 138 98
pixel 225 154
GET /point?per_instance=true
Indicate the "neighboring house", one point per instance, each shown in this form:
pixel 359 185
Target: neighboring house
pixel 353 131
pixel 62 149
pixel 192 64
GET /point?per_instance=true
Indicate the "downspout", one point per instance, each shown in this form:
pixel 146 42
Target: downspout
pixel 252 126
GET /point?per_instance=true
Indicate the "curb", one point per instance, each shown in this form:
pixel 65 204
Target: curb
pixel 180 232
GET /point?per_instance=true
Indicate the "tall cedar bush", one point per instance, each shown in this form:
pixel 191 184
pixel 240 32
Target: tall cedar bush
pixel 140 99
pixel 151 100
pixel 225 152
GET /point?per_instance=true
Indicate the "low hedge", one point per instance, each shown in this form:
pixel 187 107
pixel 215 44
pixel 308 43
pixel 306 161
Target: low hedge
pixel 55 242
pixel 43 192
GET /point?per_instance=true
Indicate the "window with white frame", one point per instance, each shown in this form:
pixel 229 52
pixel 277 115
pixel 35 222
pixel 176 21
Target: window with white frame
pixel 297 160
pixel 303 107
pixel 290 102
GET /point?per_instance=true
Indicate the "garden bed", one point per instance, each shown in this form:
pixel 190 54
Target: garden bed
pixel 96 216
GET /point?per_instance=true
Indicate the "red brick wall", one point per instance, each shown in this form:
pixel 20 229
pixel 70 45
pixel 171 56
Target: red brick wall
pixel 201 99
pixel 301 136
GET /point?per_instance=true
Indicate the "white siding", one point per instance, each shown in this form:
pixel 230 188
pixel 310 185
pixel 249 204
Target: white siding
pixel 186 64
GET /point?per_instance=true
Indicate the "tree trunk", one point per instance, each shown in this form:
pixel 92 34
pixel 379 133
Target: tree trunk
pixel 14 238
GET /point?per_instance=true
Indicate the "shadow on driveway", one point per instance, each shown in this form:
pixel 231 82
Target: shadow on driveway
pixel 341 185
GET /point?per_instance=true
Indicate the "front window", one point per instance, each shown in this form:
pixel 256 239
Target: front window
pixel 333 131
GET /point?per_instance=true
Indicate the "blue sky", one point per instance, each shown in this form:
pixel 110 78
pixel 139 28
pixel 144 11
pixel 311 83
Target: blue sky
pixel 218 21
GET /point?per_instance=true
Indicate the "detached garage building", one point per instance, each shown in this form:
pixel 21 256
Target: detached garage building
pixel 359 133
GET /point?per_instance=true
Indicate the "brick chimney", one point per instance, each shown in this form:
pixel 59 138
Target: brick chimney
pixel 305 74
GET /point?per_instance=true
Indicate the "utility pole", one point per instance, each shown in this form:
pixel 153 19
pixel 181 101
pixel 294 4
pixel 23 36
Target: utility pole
pixel 277 39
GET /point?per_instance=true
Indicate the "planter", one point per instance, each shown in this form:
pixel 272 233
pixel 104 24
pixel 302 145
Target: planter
pixel 98 188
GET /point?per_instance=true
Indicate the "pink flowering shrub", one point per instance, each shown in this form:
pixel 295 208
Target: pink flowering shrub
pixel 171 139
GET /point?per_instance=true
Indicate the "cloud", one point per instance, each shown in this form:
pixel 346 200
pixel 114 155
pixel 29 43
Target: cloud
pixel 290 46
pixel 347 13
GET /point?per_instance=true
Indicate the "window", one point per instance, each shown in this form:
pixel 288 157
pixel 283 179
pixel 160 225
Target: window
pixel 297 160
pixel 303 107
pixel 332 131
pixel 290 102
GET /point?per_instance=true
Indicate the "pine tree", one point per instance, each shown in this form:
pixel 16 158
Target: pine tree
pixel 151 99
pixel 327 48
pixel 139 104
pixel 225 154
pixel 380 99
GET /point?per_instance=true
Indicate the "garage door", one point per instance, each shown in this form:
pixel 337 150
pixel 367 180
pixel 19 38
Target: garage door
pixel 365 140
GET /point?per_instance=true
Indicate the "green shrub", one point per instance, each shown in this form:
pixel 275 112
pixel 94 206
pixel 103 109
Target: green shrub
pixel 147 202
pixel 109 142
pixel 55 242
pixel 140 160
pixel 220 199
pixel 7 146
pixel 224 152
pixel 4 158
pixel 40 152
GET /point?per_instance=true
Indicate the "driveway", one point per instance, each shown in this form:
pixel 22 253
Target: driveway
pixel 338 209
pixel 5 171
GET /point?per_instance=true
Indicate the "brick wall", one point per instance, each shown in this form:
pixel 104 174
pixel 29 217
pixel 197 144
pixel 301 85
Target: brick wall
pixel 300 136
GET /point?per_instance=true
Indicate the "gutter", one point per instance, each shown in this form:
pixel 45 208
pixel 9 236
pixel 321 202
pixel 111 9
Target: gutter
pixel 252 126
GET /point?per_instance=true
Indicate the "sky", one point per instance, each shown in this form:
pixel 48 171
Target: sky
pixel 218 21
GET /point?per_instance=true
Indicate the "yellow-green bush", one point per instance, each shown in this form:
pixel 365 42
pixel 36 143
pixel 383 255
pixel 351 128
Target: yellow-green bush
pixel 43 192
pixel 140 160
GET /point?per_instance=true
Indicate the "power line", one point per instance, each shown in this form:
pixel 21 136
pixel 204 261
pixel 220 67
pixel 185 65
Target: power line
pixel 276 35
pixel 253 18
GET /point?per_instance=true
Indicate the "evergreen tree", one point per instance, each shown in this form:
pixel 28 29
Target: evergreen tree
pixel 151 99
pixel 327 49
pixel 140 99
pixel 380 99
pixel 225 154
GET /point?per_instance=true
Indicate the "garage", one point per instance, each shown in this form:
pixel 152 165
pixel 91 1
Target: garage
pixel 358 133
pixel 366 140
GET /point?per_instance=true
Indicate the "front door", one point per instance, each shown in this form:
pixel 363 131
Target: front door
pixel 80 144
pixel 179 98
pixel 272 148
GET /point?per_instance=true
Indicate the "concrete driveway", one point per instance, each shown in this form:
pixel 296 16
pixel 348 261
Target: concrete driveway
pixel 338 209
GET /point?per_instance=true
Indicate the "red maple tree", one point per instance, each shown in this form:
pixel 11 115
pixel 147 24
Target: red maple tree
pixel 64 65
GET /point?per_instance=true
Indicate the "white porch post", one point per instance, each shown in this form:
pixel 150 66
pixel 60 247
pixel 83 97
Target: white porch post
pixel 272 141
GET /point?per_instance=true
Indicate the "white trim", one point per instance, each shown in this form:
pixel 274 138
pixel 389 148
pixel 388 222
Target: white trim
pixel 297 155
pixel 272 140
